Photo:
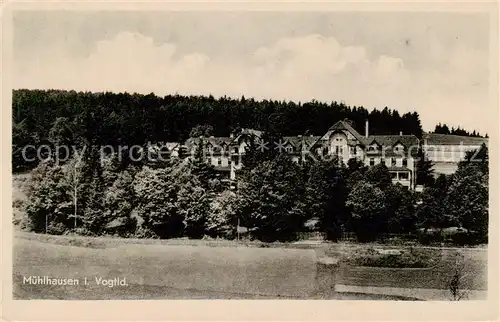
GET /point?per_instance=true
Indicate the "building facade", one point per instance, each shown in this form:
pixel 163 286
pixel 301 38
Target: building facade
pixel 446 151
pixel 397 152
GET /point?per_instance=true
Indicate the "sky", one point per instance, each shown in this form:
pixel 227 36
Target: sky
pixel 436 64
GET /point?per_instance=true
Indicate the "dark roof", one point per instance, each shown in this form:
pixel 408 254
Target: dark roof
pixel 298 142
pixel 219 141
pixel 215 141
pixel 392 140
pixel 310 140
pixel 448 139
pixel 389 142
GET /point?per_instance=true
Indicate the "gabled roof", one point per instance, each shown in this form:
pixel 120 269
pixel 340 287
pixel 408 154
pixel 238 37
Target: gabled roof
pixel 388 143
pixel 295 141
pixel 311 139
pixel 218 141
pixel 343 125
pixel 448 139
pixel 372 142
pixel 299 142
pixel 392 140
pixel 245 133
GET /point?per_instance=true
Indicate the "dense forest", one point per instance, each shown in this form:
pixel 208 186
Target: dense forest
pixel 445 129
pixel 78 118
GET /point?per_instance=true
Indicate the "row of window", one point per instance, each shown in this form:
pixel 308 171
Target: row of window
pixel 400 175
pixel 354 150
pixel 219 161
pixel 393 162
pixel 375 148
pixel 338 150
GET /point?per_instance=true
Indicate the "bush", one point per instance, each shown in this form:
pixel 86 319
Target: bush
pixel 80 231
pixel 411 258
pixel 430 237
pixel 56 228
pixel 142 232
pixel 466 238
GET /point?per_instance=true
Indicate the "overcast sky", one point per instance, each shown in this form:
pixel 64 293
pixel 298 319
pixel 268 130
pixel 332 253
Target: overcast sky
pixel 432 63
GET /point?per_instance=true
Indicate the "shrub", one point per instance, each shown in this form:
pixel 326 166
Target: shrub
pixel 411 258
pixel 79 231
pixel 466 238
pixel 56 228
pixel 430 237
pixel 142 232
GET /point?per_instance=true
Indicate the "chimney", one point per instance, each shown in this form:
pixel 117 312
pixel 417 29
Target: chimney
pixel 400 133
pixel 231 135
pixel 366 128
pixel 299 136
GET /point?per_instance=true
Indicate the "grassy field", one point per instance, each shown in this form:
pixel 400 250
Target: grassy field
pixel 158 271
pixel 171 272
pixel 435 277
pixel 167 269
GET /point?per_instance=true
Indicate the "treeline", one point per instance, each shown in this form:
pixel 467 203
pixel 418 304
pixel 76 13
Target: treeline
pixel 79 118
pixel 274 198
pixel 445 129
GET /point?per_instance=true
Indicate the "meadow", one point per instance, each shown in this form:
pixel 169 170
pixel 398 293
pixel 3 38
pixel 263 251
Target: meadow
pixel 182 269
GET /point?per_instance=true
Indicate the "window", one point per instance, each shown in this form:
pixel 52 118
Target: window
pixel 405 162
pixel 288 149
pixel 403 176
pixel 353 150
pixel 372 161
pixel 219 161
pixel 394 175
pixel 236 161
pixel 382 161
pixel 393 162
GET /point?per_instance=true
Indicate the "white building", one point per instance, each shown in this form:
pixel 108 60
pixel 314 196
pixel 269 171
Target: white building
pixel 446 151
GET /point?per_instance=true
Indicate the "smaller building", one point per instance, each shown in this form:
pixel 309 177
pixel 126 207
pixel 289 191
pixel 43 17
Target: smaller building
pixel 446 151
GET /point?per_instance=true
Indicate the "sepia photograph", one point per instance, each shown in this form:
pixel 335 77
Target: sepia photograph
pixel 239 154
